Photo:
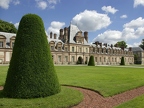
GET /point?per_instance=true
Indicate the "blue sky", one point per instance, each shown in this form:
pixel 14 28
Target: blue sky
pixel 107 21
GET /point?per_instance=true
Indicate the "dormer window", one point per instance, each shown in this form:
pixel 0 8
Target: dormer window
pixel 1 44
pixel 12 44
pixel 59 48
pixel 52 48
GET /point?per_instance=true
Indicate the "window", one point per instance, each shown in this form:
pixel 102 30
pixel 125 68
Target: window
pixel 100 59
pixel 52 48
pixel 86 58
pixel 66 58
pixel 95 59
pixel 72 49
pixel 52 57
pixel 12 44
pixel 72 58
pixel 104 59
pixel 80 50
pixel 59 48
pixel 86 50
pixel 1 44
pixel 98 50
pixel 102 51
pixel 93 49
pixel 66 48
pixel 59 58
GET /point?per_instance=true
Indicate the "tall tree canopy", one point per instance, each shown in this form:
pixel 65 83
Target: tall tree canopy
pixel 142 44
pixel 7 27
pixel 121 44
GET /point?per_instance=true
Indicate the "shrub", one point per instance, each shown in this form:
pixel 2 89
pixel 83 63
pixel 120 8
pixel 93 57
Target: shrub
pixel 31 72
pixel 122 61
pixel 91 61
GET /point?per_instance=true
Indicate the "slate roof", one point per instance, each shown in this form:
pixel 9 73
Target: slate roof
pixel 134 49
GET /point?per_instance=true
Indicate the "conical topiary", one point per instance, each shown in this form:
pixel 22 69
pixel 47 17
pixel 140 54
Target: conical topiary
pixel 122 61
pixel 31 72
pixel 91 61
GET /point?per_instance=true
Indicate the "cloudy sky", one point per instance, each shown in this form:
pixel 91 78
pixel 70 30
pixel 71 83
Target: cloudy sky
pixel 107 21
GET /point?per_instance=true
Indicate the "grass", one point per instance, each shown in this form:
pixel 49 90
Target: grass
pixel 137 102
pixel 107 80
pixel 3 70
pixel 66 98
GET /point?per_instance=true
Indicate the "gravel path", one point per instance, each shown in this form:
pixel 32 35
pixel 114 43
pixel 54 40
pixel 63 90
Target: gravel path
pixel 95 100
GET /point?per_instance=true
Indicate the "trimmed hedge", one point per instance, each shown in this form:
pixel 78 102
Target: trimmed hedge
pixel 91 61
pixel 122 61
pixel 31 73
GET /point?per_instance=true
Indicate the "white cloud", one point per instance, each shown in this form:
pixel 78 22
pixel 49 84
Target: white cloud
pixel 5 3
pixel 136 44
pixel 138 2
pixel 16 25
pixel 90 20
pixel 109 9
pixel 53 1
pixel 109 36
pixel 55 27
pixel 139 22
pixel 123 16
pixel 132 31
pixel 16 2
pixel 43 4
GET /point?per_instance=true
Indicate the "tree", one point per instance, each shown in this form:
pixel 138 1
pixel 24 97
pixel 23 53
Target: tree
pixel 91 61
pixel 142 44
pixel 7 27
pixel 31 73
pixel 122 61
pixel 121 44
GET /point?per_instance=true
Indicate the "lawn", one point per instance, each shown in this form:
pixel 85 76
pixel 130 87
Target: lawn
pixel 107 80
pixel 137 102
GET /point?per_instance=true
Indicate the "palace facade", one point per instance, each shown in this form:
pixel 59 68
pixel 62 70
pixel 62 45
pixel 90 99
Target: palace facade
pixel 71 45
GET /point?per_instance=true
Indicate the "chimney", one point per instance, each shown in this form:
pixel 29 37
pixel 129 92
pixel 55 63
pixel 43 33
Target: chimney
pixel 96 43
pixel 111 45
pixel 105 44
pixel 51 35
pixel 61 34
pixel 100 44
pixel 130 48
pixel 86 35
pixel 65 33
pixel 55 36
pixel 122 47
